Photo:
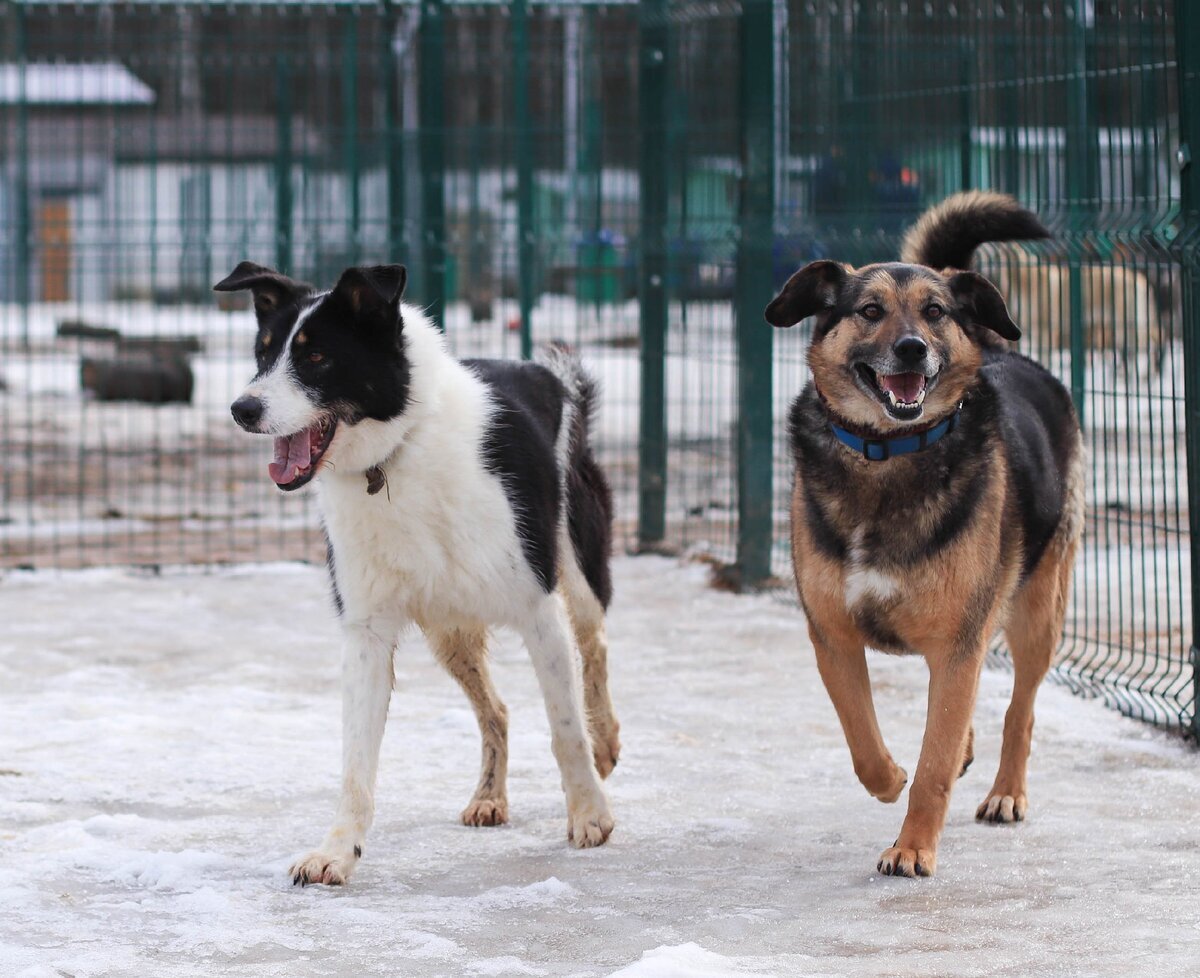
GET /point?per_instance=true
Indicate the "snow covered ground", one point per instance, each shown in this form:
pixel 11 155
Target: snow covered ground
pixel 167 743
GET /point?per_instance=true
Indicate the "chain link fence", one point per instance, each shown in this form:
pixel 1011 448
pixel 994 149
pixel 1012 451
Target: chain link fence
pixel 634 179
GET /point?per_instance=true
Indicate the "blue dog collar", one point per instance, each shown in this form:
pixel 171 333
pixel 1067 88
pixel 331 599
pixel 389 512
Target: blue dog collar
pixel 881 449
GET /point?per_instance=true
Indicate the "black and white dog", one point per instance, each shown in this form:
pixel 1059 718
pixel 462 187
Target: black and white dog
pixel 456 496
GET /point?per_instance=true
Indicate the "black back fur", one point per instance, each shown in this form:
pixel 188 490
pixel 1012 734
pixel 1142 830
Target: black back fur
pixel 519 447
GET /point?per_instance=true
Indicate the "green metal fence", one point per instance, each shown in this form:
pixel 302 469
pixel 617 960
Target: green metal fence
pixel 633 178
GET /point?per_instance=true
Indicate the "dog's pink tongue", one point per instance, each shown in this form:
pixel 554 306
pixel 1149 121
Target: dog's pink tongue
pixel 291 455
pixel 906 387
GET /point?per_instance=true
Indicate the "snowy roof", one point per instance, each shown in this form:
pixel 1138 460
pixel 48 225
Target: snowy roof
pixel 106 83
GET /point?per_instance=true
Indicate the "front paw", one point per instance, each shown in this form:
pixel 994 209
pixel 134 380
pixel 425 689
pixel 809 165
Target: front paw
pixel 332 869
pixel 886 783
pixel 606 748
pixel 589 825
pixel 905 861
pixel 486 811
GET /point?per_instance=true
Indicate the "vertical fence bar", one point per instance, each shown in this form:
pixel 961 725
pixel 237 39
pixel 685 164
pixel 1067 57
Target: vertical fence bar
pixel 393 142
pixel 1187 50
pixel 756 212
pixel 24 263
pixel 1082 155
pixel 653 39
pixel 350 130
pixel 283 164
pixel 433 156
pixel 523 158
pixel 966 110
pixel 1009 109
pixel 862 114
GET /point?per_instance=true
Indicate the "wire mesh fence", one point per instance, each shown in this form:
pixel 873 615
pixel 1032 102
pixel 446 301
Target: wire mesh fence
pixel 630 178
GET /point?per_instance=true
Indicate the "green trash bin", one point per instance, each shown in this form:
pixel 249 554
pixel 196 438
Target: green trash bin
pixel 598 268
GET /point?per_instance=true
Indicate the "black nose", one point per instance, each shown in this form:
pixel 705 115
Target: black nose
pixel 910 349
pixel 247 411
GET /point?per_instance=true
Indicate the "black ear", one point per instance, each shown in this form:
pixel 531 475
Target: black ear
pixel 271 289
pixel 814 288
pixel 983 303
pixel 373 287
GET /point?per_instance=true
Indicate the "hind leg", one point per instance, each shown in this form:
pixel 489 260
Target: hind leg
pixel 464 654
pixel 1033 631
pixel 547 636
pixel 587 621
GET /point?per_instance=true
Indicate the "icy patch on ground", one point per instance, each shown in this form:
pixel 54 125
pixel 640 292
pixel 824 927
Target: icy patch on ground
pixel 686 961
pixel 168 743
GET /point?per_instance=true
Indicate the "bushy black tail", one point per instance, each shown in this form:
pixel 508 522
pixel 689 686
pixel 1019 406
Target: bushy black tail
pixel 947 234
pixel 589 497
pixel 582 387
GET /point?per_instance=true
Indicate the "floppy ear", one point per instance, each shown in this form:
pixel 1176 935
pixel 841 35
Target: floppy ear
pixel 372 288
pixel 271 289
pixel 982 302
pixel 814 288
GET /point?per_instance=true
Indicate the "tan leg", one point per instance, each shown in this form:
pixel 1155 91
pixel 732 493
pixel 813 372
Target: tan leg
pixel 464 654
pixel 587 622
pixel 1033 631
pixel 842 662
pixel 953 680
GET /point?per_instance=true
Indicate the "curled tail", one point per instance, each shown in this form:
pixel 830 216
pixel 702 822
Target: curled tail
pixel 946 235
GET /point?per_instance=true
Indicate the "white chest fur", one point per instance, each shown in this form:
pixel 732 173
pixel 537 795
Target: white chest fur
pixel 439 542
pixel 864 581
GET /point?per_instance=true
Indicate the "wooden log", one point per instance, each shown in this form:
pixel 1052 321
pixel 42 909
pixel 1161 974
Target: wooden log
pixel 159 347
pixel 78 329
pixel 149 380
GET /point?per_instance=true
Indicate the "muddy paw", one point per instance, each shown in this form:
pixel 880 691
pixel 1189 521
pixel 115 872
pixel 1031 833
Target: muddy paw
pixel 999 807
pixel 590 827
pixel 323 867
pixel 887 784
pixel 903 861
pixel 486 811
pixel 606 748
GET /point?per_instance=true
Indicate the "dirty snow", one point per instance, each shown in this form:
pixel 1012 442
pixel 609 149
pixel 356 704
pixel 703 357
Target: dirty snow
pixel 167 743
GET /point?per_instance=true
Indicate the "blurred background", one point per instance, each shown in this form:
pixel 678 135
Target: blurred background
pixel 634 179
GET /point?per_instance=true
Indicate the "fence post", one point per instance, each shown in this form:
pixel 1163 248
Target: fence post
pixel 433 157
pixel 756 212
pixel 283 164
pixel 350 129
pixel 24 263
pixel 1082 159
pixel 393 144
pixel 1187 51
pixel 653 40
pixel 966 109
pixel 524 163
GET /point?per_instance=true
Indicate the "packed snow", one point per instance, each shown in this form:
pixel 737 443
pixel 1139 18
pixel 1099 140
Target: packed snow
pixel 168 742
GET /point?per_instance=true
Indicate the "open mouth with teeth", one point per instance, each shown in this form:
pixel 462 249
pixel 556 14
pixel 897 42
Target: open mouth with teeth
pixel 297 456
pixel 902 395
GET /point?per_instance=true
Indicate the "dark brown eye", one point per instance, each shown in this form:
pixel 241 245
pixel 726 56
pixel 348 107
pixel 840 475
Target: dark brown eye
pixel 316 357
pixel 872 311
pixel 934 311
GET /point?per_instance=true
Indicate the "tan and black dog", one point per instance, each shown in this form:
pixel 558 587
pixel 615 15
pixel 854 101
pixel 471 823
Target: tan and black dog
pixel 938 499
